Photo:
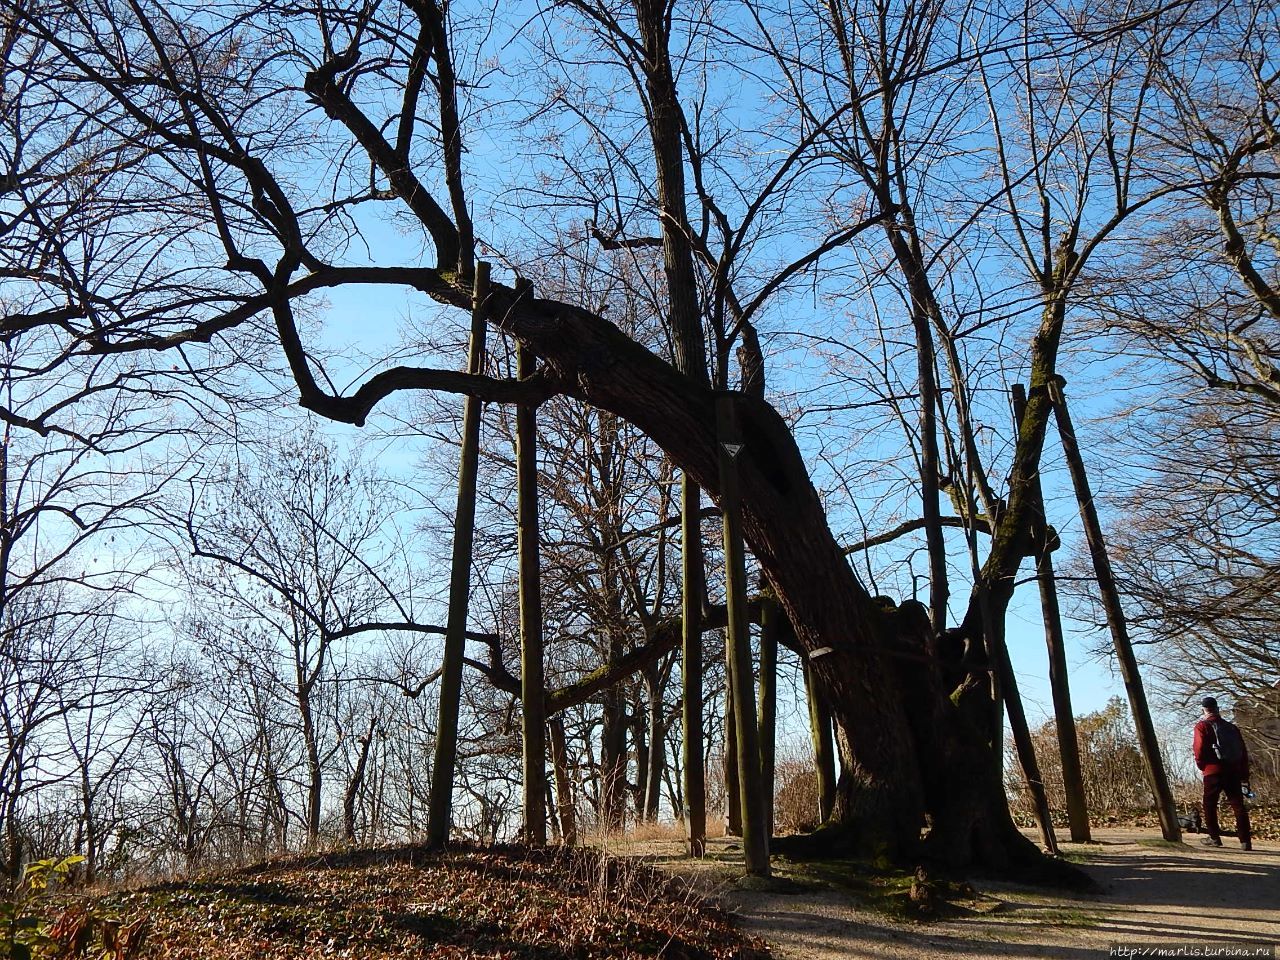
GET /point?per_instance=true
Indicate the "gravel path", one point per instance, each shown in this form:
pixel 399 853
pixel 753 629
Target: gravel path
pixel 1152 892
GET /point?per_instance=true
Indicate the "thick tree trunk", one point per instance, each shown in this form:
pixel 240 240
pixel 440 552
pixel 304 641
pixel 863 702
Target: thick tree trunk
pixel 849 641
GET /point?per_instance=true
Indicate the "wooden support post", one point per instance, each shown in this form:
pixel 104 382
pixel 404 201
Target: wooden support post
pixel 532 682
pixel 770 614
pixel 1157 779
pixel 824 757
pixel 695 777
pixel 732 777
pixel 1059 682
pixel 440 803
pixel 755 841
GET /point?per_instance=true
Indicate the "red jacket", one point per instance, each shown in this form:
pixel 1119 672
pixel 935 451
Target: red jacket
pixel 1208 761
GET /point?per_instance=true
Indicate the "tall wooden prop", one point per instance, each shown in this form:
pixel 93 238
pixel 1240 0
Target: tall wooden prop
pixel 1156 776
pixel 755 840
pixel 732 776
pixel 1022 742
pixel 695 776
pixel 824 755
pixel 440 805
pixel 1059 682
pixel 532 683
pixel 769 623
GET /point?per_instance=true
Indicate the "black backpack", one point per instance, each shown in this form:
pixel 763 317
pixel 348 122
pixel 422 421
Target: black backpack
pixel 1228 745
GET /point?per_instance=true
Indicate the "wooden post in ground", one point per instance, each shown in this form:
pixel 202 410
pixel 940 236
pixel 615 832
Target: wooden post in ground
pixel 755 841
pixel 532 683
pixel 824 757
pixel 1046 541
pixel 695 777
pixel 732 777
pixel 770 614
pixel 440 803
pixel 1022 742
pixel 1157 779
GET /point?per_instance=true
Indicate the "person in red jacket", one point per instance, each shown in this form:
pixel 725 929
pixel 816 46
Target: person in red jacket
pixel 1221 776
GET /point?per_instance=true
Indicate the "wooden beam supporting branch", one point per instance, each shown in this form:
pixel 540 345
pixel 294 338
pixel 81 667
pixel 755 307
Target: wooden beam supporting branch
pixel 770 614
pixel 692 758
pixel 755 840
pixel 1157 778
pixel 532 682
pixel 440 804
pixel 1059 683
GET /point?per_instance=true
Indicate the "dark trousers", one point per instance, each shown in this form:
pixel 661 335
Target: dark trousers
pixel 1216 784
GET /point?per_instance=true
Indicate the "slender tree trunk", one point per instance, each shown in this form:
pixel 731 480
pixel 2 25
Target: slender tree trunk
pixel 352 792
pixel 755 837
pixel 440 804
pixel 640 740
pixel 564 786
pixel 1156 776
pixel 315 771
pixel 769 615
pixel 532 682
pixel 657 744
pixel 911 259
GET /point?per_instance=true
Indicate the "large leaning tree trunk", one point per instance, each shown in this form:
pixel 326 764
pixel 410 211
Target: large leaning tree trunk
pixel 907 752
pixel 918 776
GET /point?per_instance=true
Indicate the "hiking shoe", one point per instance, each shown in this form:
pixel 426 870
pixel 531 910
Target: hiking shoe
pixel 1210 842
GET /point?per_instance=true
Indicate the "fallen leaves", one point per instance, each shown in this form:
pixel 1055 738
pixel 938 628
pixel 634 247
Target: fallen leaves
pixel 497 904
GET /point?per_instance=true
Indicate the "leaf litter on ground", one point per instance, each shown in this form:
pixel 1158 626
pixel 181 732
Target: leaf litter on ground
pixel 500 903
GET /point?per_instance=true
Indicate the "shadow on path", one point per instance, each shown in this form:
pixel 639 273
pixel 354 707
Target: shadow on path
pixel 1151 893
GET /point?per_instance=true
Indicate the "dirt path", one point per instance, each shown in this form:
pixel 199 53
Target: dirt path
pixel 1152 892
